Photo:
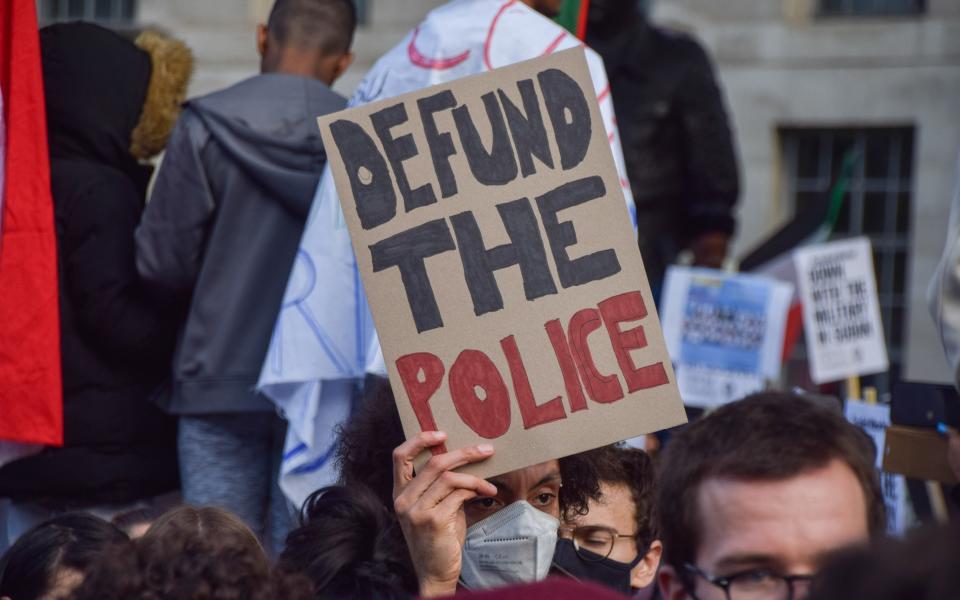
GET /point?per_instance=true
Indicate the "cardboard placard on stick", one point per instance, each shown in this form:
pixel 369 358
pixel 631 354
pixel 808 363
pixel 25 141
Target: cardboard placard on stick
pixel 500 264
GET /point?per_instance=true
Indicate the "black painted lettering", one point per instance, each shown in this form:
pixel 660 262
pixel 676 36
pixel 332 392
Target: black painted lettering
pixel 498 166
pixel 569 114
pixel 525 249
pixel 592 267
pixel 367 170
pixel 407 251
pixel 440 144
pixel 398 150
pixel 527 128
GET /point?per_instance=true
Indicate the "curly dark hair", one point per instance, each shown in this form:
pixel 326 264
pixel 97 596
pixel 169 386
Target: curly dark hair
pixel 367 440
pixel 185 565
pixel 350 546
pixel 632 468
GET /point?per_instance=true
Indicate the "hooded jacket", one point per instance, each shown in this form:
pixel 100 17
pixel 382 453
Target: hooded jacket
pixel 116 339
pixel 223 225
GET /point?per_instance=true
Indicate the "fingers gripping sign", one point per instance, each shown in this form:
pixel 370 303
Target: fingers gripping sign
pixel 429 506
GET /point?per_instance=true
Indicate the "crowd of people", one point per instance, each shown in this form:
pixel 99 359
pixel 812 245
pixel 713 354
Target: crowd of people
pixel 167 311
pixel 773 496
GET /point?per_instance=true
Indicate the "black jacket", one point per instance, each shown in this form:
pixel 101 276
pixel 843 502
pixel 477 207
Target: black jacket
pixel 223 226
pixel 116 342
pixel 675 132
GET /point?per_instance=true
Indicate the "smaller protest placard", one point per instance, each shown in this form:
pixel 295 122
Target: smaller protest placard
pixel 874 420
pixel 841 313
pixel 724 332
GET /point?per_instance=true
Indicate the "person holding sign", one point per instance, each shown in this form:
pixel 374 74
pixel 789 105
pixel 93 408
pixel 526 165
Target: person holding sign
pixel 754 496
pixel 457 39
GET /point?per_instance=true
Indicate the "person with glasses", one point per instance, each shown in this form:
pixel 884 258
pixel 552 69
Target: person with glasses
pixel 615 542
pixel 755 496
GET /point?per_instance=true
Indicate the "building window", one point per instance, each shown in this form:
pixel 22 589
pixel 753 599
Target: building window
pixel 110 13
pixel 871 8
pixel 876 204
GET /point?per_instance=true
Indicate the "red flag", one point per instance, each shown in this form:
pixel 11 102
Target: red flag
pixel 31 406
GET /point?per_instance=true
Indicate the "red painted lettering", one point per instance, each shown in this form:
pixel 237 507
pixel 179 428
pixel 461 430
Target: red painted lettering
pixel 532 413
pixel 488 417
pixel 568 367
pixel 601 388
pixel 630 307
pixel 422 374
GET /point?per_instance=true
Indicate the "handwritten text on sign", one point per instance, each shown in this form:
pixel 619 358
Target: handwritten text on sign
pixel 499 260
pixel 841 314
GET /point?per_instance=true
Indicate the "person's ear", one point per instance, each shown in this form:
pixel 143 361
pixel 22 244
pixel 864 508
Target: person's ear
pixel 645 571
pixel 262 40
pixel 671 587
pixel 343 63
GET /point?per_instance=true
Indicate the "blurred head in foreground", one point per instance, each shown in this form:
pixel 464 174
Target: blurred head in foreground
pixel 754 496
pixel 924 566
pixel 53 558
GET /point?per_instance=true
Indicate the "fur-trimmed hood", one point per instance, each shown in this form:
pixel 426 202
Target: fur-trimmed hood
pixel 172 66
pixel 110 100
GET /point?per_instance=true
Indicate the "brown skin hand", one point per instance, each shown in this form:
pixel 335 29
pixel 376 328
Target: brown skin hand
pixel 291 60
pixel 547 8
pixel 710 249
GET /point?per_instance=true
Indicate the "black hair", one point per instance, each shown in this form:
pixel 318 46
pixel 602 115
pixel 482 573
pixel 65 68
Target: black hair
pixel 350 546
pixel 367 441
pixel 29 568
pixel 324 24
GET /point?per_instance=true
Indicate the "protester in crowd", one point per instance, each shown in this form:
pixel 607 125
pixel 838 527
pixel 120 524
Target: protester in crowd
pixel 676 135
pixel 457 39
pixel 925 566
pixel 524 504
pixel 206 521
pixel 350 546
pixel 111 103
pixel 52 559
pixel 615 543
pixel 222 228
pixel 756 494
pixel 183 564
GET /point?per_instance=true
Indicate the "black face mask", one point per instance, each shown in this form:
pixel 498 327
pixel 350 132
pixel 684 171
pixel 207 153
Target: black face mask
pixel 605 571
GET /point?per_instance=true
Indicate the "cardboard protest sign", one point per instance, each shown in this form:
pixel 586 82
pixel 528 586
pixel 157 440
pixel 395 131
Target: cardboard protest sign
pixel 724 332
pixel 841 314
pixel 500 264
pixel 874 420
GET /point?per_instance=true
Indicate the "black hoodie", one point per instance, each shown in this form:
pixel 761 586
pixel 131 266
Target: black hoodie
pixel 116 341
pixel 223 226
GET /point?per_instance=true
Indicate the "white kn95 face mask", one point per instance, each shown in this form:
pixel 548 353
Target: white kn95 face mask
pixel 514 545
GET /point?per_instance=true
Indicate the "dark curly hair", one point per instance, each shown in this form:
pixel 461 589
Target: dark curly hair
pixel 74 541
pixel 185 565
pixel 350 546
pixel 632 468
pixel 365 454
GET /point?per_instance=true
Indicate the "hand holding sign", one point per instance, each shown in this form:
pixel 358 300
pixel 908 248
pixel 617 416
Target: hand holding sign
pixel 499 259
pixel 429 506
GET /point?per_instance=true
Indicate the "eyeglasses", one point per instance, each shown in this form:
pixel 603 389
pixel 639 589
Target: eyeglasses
pixel 594 542
pixel 757 584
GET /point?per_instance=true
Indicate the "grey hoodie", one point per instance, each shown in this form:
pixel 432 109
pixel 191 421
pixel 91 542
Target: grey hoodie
pixel 223 225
